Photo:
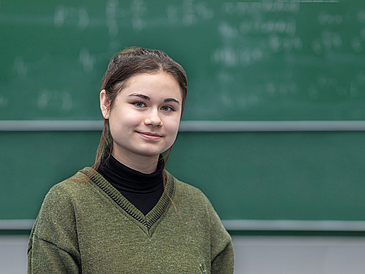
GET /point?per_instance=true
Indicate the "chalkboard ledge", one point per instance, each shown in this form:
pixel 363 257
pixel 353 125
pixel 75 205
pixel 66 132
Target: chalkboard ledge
pixel 190 126
pixel 293 225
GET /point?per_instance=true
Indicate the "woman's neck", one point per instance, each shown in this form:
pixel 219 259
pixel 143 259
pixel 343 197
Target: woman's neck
pixel 142 190
pixel 143 164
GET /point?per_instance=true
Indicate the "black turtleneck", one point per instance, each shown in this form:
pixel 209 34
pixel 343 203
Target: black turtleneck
pixel 142 190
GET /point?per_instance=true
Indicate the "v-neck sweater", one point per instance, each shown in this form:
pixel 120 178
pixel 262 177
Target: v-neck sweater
pixel 86 226
pixel 142 190
pixel 145 220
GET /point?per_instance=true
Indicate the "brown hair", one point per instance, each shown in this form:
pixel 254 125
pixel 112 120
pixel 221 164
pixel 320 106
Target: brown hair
pixel 124 65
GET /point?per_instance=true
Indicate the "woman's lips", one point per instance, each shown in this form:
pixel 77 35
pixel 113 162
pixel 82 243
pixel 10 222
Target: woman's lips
pixel 150 136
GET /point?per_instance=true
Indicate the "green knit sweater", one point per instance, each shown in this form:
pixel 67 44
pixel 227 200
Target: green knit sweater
pixel 86 226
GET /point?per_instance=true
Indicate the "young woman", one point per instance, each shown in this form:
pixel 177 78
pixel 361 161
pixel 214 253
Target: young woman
pixel 127 214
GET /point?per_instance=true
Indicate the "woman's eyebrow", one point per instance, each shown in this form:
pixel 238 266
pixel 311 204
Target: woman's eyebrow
pixel 171 100
pixel 148 98
pixel 139 95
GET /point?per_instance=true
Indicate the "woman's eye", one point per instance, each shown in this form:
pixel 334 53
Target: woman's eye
pixel 167 108
pixel 139 104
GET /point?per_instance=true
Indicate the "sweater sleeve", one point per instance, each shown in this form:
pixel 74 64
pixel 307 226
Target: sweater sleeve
pixel 53 244
pixel 224 261
pixel 221 245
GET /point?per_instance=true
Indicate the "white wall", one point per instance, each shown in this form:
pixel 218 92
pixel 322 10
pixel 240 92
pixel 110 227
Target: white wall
pixel 299 255
pixel 254 255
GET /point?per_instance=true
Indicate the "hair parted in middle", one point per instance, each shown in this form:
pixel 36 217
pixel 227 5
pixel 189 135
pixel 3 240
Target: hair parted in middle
pixel 123 66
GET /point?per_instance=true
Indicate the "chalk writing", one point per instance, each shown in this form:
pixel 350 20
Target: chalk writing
pixel 3 101
pixel 110 10
pixel 189 13
pixel 87 60
pixel 79 15
pixel 227 31
pixel 361 15
pixel 324 18
pixel 138 11
pixel 20 67
pixel 249 53
pixel 328 41
pixel 285 26
pixel 254 7
pixel 278 44
pixel 55 100
pixel 281 89
pixel 232 57
pixel 135 14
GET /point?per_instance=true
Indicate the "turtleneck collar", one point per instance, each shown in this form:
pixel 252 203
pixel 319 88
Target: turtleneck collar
pixel 127 179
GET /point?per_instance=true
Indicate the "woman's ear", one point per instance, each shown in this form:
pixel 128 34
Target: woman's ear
pixel 104 104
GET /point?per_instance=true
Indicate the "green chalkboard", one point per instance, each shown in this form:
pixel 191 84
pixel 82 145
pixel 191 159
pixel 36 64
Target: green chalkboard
pixel 246 61
pixel 249 60
pixel 262 176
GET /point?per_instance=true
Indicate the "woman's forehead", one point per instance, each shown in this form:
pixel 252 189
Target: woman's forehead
pixel 160 84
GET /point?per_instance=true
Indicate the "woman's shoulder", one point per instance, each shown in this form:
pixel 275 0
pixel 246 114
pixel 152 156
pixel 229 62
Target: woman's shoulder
pixel 73 185
pixel 61 198
pixel 188 192
pixel 182 185
pixel 190 199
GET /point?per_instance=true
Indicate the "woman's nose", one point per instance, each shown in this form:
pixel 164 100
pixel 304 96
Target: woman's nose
pixel 153 118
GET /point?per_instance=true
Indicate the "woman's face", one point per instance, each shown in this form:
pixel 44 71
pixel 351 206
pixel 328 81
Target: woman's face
pixel 145 116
